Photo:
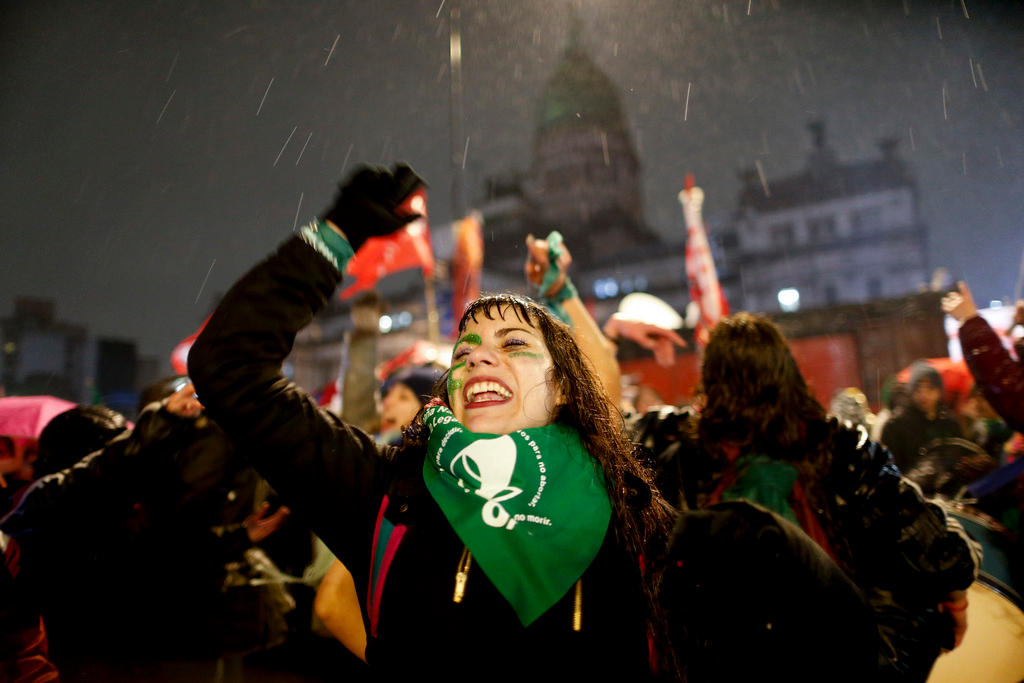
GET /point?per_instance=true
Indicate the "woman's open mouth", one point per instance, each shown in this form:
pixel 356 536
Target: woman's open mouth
pixel 483 392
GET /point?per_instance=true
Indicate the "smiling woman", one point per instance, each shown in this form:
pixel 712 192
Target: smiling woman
pixel 504 372
pixel 510 524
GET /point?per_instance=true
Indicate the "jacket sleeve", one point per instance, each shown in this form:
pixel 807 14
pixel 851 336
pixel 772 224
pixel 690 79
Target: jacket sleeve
pixel 118 473
pixel 325 470
pixel 999 376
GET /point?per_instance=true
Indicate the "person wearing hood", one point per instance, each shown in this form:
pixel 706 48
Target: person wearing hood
pixel 922 421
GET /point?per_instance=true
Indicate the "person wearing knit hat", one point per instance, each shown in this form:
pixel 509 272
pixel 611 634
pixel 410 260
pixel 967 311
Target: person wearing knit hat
pixel 403 394
pixel 922 421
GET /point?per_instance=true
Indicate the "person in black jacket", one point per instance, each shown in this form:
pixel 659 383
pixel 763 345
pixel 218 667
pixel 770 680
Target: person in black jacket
pixel 761 437
pixel 505 537
pixel 924 419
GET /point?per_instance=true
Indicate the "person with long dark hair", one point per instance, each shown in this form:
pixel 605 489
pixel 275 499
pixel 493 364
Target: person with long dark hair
pixel 506 537
pixel 761 436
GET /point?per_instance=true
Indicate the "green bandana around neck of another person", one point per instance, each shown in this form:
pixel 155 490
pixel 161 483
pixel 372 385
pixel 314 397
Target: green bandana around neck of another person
pixel 529 505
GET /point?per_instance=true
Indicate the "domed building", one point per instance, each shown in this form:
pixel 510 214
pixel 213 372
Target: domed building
pixel 585 177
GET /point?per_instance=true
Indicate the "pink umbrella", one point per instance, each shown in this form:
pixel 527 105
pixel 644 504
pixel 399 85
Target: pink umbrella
pixel 25 416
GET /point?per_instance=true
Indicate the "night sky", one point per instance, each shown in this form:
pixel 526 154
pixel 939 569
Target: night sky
pixel 150 152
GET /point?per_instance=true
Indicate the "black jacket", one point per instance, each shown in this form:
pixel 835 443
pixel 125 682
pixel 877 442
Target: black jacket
pixel 901 550
pixel 908 433
pixel 354 493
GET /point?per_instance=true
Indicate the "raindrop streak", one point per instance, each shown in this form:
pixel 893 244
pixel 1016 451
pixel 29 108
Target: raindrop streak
pixel 906 9
pixel 345 162
pixel 285 145
pixel 439 8
pixel 686 107
pixel 308 137
pixel 260 108
pixel 945 112
pixel 761 175
pixel 332 49
pixel 465 153
pixel 963 162
pixel 999 156
pixel 297 209
pixel 174 63
pixel 165 106
pixel 203 286
pixel 938 27
pixel 964 6
pixel 604 148
pixel 981 75
pixel 970 63
pixel 913 147
pixel 749 3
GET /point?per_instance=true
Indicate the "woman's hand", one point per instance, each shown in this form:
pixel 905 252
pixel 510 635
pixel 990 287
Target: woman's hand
pixel 659 340
pixel 258 526
pixel 370 203
pixel 960 305
pixel 537 263
pixel 184 403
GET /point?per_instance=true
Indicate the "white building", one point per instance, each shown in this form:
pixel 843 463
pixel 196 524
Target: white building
pixel 833 233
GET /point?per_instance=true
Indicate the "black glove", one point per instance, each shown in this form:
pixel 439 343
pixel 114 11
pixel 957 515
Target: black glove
pixel 366 203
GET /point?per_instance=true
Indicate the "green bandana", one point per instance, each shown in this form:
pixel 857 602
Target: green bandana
pixel 529 505
pixel 764 481
pixel 568 290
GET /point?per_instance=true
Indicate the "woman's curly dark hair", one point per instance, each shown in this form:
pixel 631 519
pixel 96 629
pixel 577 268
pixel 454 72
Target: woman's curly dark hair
pixel 752 392
pixel 755 397
pixel 641 517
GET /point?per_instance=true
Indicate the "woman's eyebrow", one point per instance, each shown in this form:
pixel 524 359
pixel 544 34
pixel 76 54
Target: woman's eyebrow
pixel 505 330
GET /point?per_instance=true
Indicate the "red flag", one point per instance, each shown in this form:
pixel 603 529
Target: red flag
pixel 467 260
pixel 179 356
pixel 700 266
pixel 407 248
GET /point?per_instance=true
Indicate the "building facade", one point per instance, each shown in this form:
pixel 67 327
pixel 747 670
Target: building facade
pixel 834 233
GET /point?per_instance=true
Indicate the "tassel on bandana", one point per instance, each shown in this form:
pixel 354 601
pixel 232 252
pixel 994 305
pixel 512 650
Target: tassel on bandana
pixel 529 505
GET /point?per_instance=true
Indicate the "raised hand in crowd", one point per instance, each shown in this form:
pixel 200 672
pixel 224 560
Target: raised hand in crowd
pixel 997 373
pixel 538 262
pixel 370 203
pixel 960 304
pixel 547 268
pixel 659 340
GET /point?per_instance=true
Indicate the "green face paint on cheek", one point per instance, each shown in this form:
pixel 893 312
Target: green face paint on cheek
pixel 454 384
pixel 527 354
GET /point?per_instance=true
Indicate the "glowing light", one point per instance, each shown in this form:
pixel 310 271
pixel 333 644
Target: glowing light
pixel 789 299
